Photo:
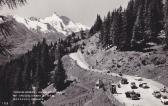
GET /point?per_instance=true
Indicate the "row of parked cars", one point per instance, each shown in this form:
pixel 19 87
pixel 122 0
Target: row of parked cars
pixel 132 94
pixel 133 85
pixel 162 95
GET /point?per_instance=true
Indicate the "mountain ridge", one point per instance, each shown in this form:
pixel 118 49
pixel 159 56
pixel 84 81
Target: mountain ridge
pixel 53 23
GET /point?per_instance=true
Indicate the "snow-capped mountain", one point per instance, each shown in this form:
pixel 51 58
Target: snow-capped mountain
pixel 54 23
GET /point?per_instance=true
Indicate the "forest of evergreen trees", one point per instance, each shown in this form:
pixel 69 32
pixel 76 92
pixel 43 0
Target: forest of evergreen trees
pixel 132 28
pixel 34 68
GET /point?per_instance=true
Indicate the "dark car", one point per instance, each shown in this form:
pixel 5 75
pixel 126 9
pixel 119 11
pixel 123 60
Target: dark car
pixel 144 85
pixel 163 90
pixel 133 95
pixel 164 99
pixel 120 74
pixel 133 85
pixel 124 81
pixel 157 94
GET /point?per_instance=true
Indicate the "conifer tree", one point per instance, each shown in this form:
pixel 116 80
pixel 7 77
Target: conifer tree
pixel 116 27
pixel 60 75
pixel 129 23
pixel 103 37
pixel 166 21
pixel 138 31
pixel 123 34
pixel 97 25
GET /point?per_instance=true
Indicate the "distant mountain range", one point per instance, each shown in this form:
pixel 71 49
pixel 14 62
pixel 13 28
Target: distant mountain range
pixel 54 23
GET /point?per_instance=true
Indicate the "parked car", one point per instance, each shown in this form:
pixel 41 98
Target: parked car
pixel 124 81
pixel 156 94
pixel 164 99
pixel 108 71
pixel 133 95
pixel 163 89
pixel 139 79
pixel 133 85
pixel 143 85
pixel 136 75
pixel 120 74
pixel 128 94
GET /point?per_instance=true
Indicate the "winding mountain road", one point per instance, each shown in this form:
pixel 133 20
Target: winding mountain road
pixel 147 99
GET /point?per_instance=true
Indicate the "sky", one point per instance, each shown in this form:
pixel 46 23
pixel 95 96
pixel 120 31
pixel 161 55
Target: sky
pixel 83 11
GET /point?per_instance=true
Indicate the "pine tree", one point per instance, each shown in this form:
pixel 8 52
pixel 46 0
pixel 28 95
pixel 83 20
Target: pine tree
pixel 103 37
pixel 123 35
pixel 166 21
pixel 148 21
pixel 102 34
pixel 97 25
pixel 157 19
pixel 83 34
pixel 129 23
pixel 116 28
pixel 111 35
pixel 46 64
pixel 138 31
pixel 60 76
pixel 105 31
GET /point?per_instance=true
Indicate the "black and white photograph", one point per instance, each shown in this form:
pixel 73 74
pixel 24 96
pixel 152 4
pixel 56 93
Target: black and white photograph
pixel 83 52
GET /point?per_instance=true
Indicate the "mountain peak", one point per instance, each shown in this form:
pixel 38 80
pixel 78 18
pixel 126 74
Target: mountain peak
pixel 60 24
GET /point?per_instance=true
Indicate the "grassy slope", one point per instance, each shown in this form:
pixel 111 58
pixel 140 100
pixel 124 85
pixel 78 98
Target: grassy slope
pixel 152 64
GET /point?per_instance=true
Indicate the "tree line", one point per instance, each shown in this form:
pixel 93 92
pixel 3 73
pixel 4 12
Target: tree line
pixel 131 28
